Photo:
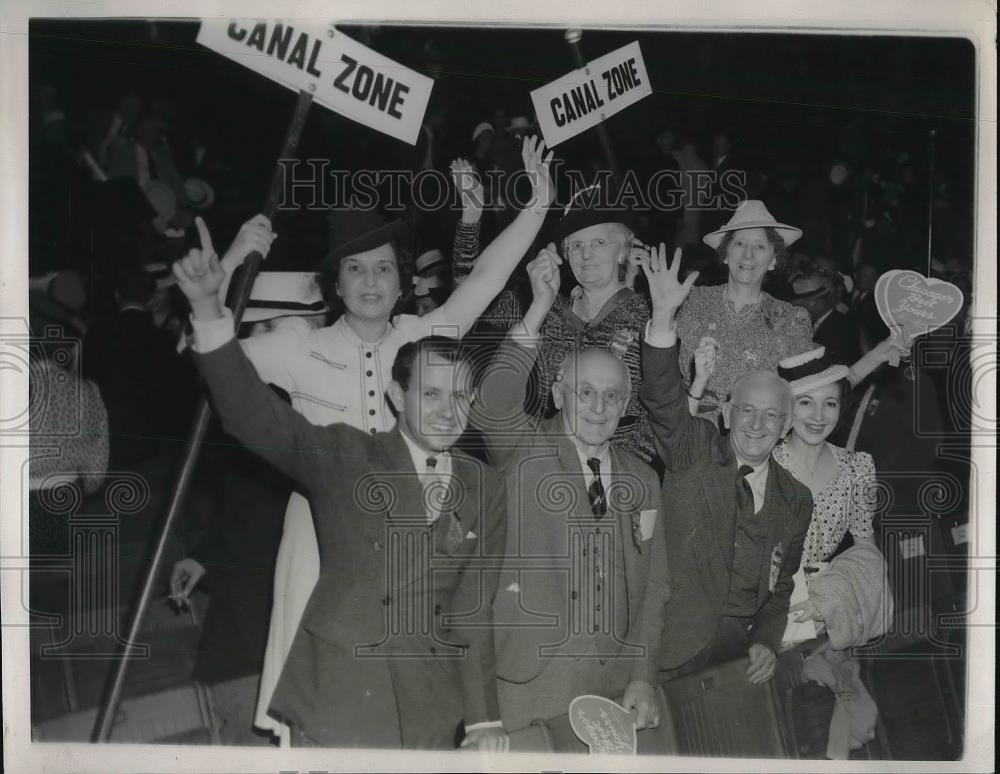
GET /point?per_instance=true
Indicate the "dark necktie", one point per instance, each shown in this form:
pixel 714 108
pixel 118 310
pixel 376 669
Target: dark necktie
pixel 447 529
pixel 744 494
pixel 432 492
pixel 596 490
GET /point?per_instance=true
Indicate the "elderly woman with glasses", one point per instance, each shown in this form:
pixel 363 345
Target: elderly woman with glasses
pixel 601 311
pixel 749 328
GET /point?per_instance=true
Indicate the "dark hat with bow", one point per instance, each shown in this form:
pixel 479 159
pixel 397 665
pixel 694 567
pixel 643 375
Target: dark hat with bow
pixel 586 209
pixel 358 231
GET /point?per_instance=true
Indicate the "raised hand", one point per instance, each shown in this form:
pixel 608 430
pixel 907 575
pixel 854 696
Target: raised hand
pixel 254 235
pixel 199 274
pixel 665 290
pixel 704 359
pixel 536 164
pixel 890 350
pixel 470 189
pixel 544 274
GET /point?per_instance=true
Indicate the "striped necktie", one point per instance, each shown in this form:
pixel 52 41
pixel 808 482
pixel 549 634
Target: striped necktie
pixel 595 492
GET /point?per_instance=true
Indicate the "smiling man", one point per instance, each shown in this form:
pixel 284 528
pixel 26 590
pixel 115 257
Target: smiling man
pixel 584 544
pixel 735 520
pixel 403 522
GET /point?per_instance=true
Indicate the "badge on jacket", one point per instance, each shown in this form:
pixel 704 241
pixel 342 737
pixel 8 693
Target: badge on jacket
pixel 642 526
pixel 622 340
pixel 777 558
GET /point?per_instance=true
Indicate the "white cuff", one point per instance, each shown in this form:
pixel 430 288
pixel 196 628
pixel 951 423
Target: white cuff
pixel 660 339
pixel 484 724
pixel 212 334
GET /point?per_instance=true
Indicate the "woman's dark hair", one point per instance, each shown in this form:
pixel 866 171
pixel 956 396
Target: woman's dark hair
pixel 776 240
pixel 844 385
pixel 329 273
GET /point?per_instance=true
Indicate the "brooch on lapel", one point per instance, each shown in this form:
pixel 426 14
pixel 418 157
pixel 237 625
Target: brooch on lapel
pixel 642 526
pixel 636 520
pixel 777 558
pixel 622 340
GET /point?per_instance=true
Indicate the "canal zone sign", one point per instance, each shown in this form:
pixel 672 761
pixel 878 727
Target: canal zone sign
pixel 339 72
pixel 584 98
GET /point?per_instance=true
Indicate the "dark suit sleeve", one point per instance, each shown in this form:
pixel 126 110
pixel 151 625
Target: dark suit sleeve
pixel 259 419
pixel 655 599
pixel 476 591
pixel 681 439
pixel 772 618
pixel 499 413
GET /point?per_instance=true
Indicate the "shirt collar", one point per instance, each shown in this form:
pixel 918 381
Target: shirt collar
pixel 604 457
pixel 341 326
pixel 759 471
pixel 420 457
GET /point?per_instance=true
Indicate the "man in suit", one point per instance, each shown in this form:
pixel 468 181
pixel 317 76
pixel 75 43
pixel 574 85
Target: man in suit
pixel 816 292
pixel 735 520
pixel 583 542
pixel 395 648
pixel 149 389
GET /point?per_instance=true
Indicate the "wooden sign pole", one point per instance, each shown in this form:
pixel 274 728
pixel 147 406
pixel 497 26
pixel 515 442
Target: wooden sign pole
pixel 239 295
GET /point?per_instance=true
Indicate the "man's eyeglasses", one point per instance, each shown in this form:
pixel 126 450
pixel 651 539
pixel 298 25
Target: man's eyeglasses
pixel 588 395
pixel 749 411
pixel 597 245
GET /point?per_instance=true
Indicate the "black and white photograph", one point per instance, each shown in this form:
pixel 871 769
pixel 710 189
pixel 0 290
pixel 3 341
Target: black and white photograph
pixel 554 388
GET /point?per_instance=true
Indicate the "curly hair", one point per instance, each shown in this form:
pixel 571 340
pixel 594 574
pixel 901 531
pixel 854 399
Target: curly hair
pixel 776 240
pixel 329 274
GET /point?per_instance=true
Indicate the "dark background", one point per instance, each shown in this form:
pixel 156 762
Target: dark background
pixel 800 98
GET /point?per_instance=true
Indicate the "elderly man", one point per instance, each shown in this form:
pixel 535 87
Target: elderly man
pixel 374 662
pixel 584 542
pixel 735 521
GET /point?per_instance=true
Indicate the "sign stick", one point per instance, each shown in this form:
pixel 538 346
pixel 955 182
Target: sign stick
pixel 930 201
pixel 573 38
pixel 239 294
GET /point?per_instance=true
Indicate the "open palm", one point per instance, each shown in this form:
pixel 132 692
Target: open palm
pixel 665 290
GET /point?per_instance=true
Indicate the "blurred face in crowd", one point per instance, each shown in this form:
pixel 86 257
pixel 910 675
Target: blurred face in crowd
pixel 591 391
pixel 434 409
pixel 865 278
pixel 368 283
pixel 816 414
pixel 594 254
pixel 816 305
pixel 750 255
pixel 758 415
pixel 666 141
pixel 425 305
pixel 721 146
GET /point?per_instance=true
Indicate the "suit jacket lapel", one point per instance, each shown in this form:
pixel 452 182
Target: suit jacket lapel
pixel 467 493
pixel 569 463
pixel 407 492
pixel 774 501
pixel 718 479
pixel 620 495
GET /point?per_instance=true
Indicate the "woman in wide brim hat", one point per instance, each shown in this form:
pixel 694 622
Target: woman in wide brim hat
pixel 751 328
pixel 339 373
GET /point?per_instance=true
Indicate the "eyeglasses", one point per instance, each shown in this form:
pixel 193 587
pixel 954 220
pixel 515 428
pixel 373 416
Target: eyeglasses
pixel 597 245
pixel 588 395
pixel 749 411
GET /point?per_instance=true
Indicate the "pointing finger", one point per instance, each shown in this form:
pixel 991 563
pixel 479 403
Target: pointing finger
pixel 206 238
